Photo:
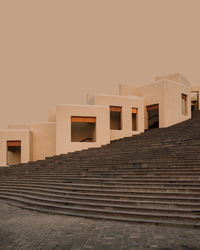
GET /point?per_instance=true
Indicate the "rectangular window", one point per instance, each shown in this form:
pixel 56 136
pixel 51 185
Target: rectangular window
pixel 83 129
pixel 184 104
pixel 115 118
pixel 134 119
pixel 13 152
pixel 194 100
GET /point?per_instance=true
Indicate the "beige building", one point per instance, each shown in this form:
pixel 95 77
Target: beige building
pixel 165 102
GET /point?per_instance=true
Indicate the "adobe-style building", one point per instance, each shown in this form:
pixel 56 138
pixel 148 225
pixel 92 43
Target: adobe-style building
pixel 167 101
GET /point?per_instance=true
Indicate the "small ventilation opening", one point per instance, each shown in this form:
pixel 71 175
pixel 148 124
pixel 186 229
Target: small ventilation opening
pixel 115 118
pixel 83 129
pixel 13 152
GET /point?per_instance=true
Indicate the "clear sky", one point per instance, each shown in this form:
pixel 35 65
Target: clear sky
pixel 55 52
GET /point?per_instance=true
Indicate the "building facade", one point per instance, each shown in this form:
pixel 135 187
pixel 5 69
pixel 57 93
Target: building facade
pixel 165 102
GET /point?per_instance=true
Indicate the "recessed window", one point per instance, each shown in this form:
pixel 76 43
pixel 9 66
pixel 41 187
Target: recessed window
pixel 13 152
pixel 194 100
pixel 115 118
pixel 83 129
pixel 134 119
pixel 153 116
pixel 184 104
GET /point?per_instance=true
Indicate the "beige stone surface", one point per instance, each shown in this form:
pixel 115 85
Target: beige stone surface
pixel 22 135
pixel 127 103
pixel 63 126
pixel 177 77
pixel 173 106
pixel 18 126
pixel 166 93
pixel 126 90
pixel 43 140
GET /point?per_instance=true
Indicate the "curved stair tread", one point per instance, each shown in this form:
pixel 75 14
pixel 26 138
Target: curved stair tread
pixel 149 178
pixel 71 200
pixel 46 203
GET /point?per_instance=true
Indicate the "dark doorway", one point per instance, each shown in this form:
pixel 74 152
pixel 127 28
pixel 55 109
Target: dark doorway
pixel 134 119
pixel 13 152
pixel 153 116
pixel 115 118
pixel 195 100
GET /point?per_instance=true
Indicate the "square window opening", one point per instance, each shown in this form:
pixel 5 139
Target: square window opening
pixel 83 129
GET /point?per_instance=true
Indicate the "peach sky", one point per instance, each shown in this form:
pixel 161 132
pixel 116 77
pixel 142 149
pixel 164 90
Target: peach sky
pixel 55 52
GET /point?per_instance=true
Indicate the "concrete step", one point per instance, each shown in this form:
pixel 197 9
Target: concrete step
pixel 107 185
pixel 111 201
pixel 103 188
pixel 114 206
pixel 127 197
pixel 191 219
pixel 104 217
pixel 64 190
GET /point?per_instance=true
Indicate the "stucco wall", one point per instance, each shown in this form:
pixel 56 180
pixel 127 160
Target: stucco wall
pixel 127 103
pixel 167 94
pixel 63 126
pixel 126 90
pixel 22 135
pixel 154 94
pixel 175 78
pixel 43 140
pixel 173 102
pixel 18 126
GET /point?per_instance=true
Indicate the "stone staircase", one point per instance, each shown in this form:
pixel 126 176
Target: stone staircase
pixel 149 178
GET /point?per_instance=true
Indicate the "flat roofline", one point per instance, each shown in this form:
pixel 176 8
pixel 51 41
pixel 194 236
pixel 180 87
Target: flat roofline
pixel 41 123
pixel 195 84
pixel 158 81
pixel 166 76
pixel 120 96
pixel 19 124
pixel 29 124
pixel 81 105
pixel 167 80
pixel 15 130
